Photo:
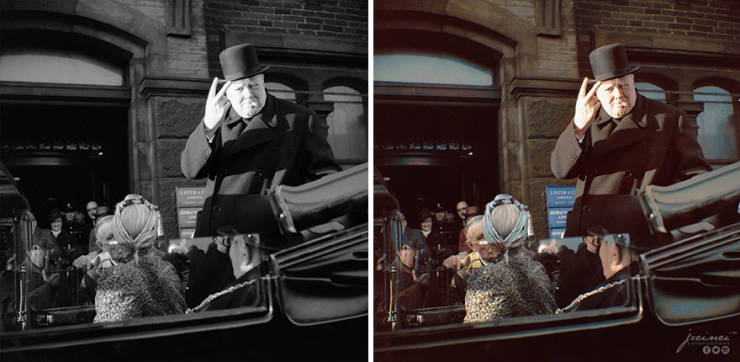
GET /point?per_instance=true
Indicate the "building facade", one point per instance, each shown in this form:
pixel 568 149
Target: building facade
pixel 502 78
pixel 97 97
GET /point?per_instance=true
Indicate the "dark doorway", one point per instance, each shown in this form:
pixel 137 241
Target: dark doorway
pixel 432 153
pixel 63 156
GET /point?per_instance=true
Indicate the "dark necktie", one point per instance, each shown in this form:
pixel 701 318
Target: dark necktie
pixel 610 126
pixel 241 125
pixel 606 128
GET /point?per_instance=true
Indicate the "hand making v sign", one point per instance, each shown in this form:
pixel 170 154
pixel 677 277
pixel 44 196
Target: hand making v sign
pixel 216 105
pixel 586 107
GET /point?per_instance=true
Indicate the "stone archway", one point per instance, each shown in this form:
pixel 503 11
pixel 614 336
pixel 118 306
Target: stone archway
pixel 119 31
pixel 491 30
pixel 486 24
pixel 107 20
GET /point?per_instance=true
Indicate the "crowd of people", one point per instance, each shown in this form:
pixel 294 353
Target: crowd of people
pixel 488 260
pixel 124 271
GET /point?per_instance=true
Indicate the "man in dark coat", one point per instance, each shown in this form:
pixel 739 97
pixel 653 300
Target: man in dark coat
pixel 620 142
pixel 250 142
pixel 619 262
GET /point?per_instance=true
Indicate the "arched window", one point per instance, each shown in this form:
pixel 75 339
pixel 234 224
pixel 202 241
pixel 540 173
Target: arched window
pixel 347 124
pixel 431 69
pixel 57 66
pixel 651 91
pixel 717 132
pixel 280 90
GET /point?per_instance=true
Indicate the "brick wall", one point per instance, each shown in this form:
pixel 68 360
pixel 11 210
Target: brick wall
pixel 695 19
pixel 326 19
pixel 186 56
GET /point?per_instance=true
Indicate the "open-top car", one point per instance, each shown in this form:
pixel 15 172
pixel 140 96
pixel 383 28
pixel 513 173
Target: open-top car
pixel 682 300
pixel 311 295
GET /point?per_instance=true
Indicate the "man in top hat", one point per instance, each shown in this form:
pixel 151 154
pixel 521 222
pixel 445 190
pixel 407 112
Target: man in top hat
pixel 619 142
pixel 248 143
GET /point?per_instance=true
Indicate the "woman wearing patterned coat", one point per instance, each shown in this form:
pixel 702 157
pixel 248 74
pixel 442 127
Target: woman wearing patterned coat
pixel 513 284
pixel 141 283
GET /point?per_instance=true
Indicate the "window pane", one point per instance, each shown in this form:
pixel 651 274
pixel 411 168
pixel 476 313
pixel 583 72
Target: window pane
pixel 717 135
pixel 433 69
pixel 56 66
pixel 347 124
pixel 650 91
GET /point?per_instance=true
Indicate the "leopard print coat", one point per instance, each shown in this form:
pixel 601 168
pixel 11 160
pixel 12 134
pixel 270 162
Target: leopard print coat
pixel 150 287
pixel 517 288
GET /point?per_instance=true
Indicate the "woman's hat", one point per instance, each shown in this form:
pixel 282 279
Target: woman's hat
pixel 610 61
pixel 240 61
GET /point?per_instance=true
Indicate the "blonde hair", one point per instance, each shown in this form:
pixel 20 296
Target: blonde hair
pixel 136 222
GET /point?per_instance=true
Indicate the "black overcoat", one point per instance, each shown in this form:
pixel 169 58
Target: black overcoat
pixel 283 145
pixel 656 144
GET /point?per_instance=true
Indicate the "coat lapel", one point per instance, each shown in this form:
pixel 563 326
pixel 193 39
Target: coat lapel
pixel 629 130
pixel 263 128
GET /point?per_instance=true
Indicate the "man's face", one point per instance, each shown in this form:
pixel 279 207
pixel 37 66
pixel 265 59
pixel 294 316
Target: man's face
pixel 618 95
pixel 439 216
pixel 426 224
pixel 592 243
pixel 92 209
pixel 247 95
pixel 462 209
pixel 610 256
pixel 475 236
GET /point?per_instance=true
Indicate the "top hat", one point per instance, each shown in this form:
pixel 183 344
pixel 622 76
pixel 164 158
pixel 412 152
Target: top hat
pixel 240 61
pixel 610 61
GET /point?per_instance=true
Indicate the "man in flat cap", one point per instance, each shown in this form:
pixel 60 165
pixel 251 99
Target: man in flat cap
pixel 619 142
pixel 248 143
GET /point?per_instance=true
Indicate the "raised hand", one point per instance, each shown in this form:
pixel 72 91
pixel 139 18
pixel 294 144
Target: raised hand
pixel 586 107
pixel 216 105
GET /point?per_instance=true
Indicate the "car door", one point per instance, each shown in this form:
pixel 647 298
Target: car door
pixel 324 280
pixel 697 279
